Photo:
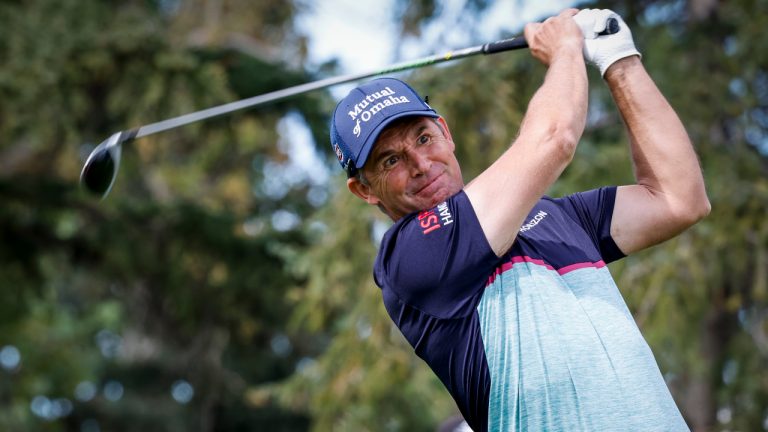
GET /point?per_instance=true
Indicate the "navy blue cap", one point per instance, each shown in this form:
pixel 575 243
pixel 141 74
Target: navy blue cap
pixel 364 113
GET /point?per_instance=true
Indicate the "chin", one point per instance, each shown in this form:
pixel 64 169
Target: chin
pixel 439 198
pixel 441 195
pixel 446 193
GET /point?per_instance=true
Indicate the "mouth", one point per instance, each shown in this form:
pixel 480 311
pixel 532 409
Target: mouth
pixel 425 186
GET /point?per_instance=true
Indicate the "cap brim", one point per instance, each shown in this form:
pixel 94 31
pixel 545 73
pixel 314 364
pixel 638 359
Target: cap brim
pixel 362 157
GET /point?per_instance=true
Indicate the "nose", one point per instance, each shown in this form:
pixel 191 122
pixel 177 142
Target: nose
pixel 418 162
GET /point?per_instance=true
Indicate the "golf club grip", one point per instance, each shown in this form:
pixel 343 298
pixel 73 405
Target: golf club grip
pixel 612 26
pixel 505 45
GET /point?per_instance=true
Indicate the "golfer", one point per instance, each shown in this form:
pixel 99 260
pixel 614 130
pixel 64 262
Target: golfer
pixel 505 292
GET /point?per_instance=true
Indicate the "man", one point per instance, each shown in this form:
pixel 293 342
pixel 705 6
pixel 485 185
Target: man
pixel 505 294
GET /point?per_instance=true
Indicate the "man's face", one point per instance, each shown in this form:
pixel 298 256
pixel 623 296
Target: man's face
pixel 412 167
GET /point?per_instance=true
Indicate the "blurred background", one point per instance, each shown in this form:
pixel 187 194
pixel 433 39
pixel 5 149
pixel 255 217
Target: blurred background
pixel 225 284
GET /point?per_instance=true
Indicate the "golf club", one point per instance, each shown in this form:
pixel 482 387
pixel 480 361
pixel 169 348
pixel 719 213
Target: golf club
pixel 100 169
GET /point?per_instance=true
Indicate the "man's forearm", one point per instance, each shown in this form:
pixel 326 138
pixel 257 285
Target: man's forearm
pixel 669 194
pixel 560 105
pixel 664 159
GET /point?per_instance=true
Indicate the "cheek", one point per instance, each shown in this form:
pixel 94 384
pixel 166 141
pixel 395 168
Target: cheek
pixel 392 183
pixel 456 167
pixel 381 183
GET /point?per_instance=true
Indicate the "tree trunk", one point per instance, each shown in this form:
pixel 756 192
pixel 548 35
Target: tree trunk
pixel 700 404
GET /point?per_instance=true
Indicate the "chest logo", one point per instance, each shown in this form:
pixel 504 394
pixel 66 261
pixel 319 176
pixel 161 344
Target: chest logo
pixel 534 221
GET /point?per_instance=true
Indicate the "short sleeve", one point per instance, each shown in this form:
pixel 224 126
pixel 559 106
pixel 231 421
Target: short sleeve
pixel 437 261
pixel 593 210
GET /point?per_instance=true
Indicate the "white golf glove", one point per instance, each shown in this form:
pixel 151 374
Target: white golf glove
pixel 603 50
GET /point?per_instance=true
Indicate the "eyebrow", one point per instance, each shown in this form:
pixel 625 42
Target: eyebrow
pixel 383 154
pixel 421 129
pixel 376 157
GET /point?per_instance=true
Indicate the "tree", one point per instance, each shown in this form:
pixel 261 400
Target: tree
pixel 154 308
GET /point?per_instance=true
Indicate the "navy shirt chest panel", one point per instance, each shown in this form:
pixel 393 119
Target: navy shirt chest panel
pixel 550 235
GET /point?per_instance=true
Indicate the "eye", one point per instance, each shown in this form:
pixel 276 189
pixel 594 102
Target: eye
pixel 424 139
pixel 390 161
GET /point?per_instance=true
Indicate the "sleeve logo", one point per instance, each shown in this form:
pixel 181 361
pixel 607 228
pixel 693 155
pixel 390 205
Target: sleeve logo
pixel 436 218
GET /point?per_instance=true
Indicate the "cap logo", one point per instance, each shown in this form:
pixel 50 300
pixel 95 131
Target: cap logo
pixel 339 153
pixel 371 104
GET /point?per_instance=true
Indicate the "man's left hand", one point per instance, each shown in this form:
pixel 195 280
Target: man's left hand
pixel 604 50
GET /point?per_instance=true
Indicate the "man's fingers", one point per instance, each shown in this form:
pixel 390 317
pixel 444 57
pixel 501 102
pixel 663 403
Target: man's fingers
pixel 601 20
pixel 529 30
pixel 548 38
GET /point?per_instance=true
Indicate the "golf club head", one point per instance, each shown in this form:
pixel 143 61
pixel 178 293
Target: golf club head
pixel 100 169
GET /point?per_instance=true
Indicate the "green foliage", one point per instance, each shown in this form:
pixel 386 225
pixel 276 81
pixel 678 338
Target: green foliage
pixel 178 276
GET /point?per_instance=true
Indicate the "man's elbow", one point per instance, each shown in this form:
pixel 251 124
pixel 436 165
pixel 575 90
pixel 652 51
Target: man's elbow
pixel 694 209
pixel 563 142
pixel 556 138
pixel 700 205
pixel 703 209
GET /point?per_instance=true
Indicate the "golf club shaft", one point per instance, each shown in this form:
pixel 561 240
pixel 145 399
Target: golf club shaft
pixel 100 169
pixel 489 48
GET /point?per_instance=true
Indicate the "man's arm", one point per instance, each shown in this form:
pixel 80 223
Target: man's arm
pixel 503 194
pixel 669 194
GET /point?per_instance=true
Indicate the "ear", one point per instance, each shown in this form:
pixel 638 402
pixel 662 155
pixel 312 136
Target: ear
pixel 361 190
pixel 446 131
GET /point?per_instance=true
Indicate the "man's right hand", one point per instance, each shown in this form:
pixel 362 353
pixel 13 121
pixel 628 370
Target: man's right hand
pixel 548 39
pixel 603 51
